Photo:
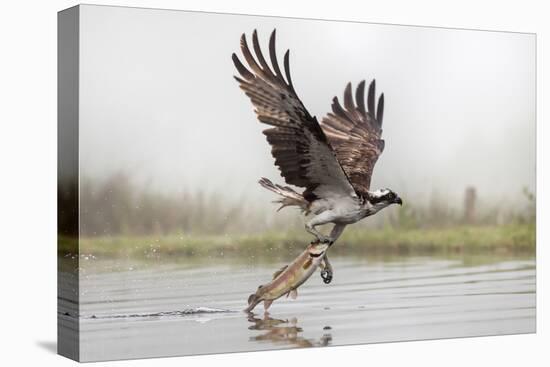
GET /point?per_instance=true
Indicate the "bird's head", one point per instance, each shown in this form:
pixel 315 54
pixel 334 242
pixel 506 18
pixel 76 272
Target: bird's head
pixel 384 197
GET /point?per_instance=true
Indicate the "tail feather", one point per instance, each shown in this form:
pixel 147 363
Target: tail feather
pixel 289 196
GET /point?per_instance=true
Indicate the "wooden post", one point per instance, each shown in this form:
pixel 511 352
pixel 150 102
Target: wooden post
pixel 470 197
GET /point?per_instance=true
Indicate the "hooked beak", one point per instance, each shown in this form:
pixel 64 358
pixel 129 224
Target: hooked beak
pixel 398 201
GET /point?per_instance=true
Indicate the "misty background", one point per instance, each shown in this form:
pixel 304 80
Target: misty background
pixel 160 111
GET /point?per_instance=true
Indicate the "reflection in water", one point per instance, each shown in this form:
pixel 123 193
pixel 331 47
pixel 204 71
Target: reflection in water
pixel 416 298
pixel 284 332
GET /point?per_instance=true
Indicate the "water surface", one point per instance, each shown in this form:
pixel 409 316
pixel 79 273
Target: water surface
pixel 153 309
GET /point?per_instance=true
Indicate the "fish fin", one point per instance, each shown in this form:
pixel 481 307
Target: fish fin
pixel 251 298
pixel 293 293
pixel 278 272
pixel 267 303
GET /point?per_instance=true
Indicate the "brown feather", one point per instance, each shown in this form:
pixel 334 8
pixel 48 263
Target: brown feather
pixel 258 51
pixel 380 110
pixel 360 97
pixel 348 99
pixel 355 134
pixel 299 145
pixel 273 56
pixel 371 96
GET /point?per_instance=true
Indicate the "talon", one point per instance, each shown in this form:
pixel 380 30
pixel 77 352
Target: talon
pixel 325 240
pixel 322 240
pixel 327 276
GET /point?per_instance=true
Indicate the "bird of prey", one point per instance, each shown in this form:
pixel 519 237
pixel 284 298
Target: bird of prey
pixel 333 160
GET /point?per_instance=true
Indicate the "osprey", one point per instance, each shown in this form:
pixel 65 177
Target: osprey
pixel 333 161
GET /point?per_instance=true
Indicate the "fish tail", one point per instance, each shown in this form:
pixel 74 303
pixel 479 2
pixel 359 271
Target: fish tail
pixel 253 300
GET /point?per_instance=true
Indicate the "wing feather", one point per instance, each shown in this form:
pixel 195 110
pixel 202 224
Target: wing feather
pixel 299 145
pixel 355 134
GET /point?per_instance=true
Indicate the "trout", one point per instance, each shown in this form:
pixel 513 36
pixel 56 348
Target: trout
pixel 287 279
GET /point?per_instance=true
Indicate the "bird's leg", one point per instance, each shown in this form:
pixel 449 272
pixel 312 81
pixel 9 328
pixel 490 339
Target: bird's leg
pixel 322 218
pixel 327 273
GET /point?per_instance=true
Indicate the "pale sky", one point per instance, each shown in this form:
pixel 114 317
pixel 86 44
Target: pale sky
pixel 158 101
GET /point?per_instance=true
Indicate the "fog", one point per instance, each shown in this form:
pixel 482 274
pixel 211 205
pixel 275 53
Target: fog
pixel 158 101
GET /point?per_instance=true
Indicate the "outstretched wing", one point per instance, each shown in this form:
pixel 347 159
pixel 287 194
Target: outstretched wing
pixel 355 134
pixel 299 145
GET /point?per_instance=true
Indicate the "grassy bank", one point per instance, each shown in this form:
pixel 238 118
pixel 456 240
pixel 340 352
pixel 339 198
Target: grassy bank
pixel 505 239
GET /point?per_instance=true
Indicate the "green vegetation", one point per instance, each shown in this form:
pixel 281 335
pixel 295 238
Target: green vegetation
pixel 117 206
pixel 118 219
pixel 505 239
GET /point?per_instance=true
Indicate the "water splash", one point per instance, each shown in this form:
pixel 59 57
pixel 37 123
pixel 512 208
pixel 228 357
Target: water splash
pixel 184 312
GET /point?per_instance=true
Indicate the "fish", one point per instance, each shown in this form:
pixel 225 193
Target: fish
pixel 287 279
